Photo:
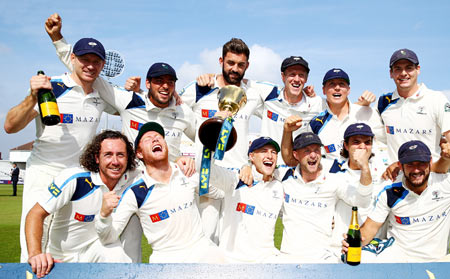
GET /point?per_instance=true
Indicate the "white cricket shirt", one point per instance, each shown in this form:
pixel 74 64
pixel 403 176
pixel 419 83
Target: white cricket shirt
pixel 419 223
pixel 249 216
pixel 204 103
pixel 308 211
pixel 75 197
pixel 276 109
pixel 423 116
pixel 60 146
pixel 331 130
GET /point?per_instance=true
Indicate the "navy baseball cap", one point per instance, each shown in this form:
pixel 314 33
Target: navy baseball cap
pixel 358 129
pixel 305 139
pixel 147 127
pixel 294 60
pixel 412 151
pixel 262 141
pixel 404 53
pixel 160 69
pixel 89 45
pixel 335 73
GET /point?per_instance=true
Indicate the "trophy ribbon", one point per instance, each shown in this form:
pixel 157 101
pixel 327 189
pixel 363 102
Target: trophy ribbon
pixel 223 138
pixel 205 172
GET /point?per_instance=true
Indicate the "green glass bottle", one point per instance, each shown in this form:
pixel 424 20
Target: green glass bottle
pixel 354 239
pixel 47 106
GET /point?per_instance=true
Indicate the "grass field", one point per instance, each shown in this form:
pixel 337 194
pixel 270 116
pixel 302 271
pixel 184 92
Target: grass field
pixel 10 211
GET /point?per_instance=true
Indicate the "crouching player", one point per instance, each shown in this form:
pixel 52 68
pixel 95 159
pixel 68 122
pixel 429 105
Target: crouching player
pixel 75 197
pixel 164 200
pixel 250 211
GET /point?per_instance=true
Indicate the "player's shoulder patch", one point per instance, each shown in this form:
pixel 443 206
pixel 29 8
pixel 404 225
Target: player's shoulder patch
pixel 141 191
pixel 319 121
pixel 84 187
pixel 289 173
pixel 384 101
pixel 202 91
pixel 136 102
pixel 59 88
pixel 336 167
pixel 395 193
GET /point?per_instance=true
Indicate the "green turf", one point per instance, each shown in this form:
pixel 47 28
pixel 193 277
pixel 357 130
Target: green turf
pixel 10 211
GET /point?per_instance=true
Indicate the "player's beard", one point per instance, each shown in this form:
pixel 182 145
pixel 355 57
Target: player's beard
pixel 233 81
pixel 409 182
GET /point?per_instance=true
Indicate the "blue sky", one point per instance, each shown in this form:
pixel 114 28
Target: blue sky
pixel 358 36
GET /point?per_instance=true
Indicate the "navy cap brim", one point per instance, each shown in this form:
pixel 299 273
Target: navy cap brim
pixel 89 51
pixel 415 158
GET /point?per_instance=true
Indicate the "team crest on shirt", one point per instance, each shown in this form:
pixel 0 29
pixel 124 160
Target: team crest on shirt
pixel 174 115
pixel 96 101
pixel 421 110
pixel 447 107
pixel 275 194
pixel 436 196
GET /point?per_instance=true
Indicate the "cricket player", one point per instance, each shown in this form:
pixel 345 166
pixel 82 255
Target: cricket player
pixel 416 207
pixel 251 211
pixel 412 111
pixel 136 109
pixel 75 198
pixel 310 197
pixel 59 147
pixel 164 200
pixel 204 103
pixel 331 123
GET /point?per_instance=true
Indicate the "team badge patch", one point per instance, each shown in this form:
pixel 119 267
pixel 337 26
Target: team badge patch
pixel 66 118
pixel 402 220
pixel 286 198
pixel 84 218
pixel 447 107
pixel 208 113
pixel 163 215
pixel 135 125
pixel 245 208
pixel 330 148
pixel 54 190
pixel 390 130
pixel 272 115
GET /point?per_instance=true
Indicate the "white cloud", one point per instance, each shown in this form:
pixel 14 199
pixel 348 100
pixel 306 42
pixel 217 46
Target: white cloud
pixel 264 65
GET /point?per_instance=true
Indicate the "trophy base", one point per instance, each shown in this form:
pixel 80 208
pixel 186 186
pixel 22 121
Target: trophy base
pixel 209 133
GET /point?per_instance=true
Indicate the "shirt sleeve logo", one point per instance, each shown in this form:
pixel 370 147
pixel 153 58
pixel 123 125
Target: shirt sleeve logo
pixel 54 190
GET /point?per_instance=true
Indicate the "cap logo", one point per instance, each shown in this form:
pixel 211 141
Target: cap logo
pixel 266 138
pixel 164 66
pixel 359 126
pixel 336 70
pixel 92 44
pixel 296 58
pixel 412 147
pixel 403 52
pixel 309 136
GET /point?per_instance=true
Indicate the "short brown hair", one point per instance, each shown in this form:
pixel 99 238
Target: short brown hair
pixel 92 150
pixel 236 46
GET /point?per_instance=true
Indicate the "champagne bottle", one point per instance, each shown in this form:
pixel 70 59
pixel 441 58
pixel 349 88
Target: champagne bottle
pixel 354 239
pixel 47 106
